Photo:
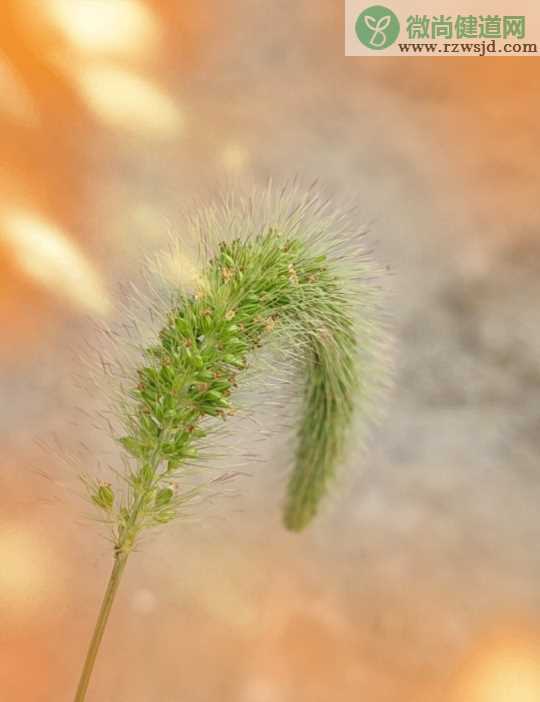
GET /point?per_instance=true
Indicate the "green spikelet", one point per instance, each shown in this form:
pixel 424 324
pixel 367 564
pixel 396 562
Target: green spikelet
pixel 294 276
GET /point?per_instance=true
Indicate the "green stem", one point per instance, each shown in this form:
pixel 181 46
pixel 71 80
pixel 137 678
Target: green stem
pixel 108 599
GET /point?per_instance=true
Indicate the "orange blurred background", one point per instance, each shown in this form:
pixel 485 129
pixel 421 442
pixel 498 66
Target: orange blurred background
pixel 419 583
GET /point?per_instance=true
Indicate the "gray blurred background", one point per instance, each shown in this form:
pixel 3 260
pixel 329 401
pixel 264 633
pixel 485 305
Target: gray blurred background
pixel 419 581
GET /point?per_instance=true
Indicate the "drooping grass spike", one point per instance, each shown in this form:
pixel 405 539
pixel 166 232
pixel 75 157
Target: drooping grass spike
pixel 277 264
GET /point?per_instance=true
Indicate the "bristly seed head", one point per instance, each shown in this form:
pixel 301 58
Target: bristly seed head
pixel 284 279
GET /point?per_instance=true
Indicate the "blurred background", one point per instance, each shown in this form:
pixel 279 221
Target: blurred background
pixel 420 581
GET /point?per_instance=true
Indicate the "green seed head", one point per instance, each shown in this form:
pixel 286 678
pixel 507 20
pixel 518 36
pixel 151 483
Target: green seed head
pixel 293 270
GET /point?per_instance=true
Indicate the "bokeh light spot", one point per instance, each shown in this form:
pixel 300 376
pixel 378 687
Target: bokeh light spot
pixel 123 27
pixel 143 601
pixel 506 674
pixel 234 158
pixel 123 99
pixel 50 258
pixel 27 576
pixel 178 267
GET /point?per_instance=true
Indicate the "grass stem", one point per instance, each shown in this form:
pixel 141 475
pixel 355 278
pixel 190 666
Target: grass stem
pixel 103 616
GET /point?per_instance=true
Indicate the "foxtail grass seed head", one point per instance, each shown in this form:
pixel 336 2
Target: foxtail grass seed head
pixel 278 263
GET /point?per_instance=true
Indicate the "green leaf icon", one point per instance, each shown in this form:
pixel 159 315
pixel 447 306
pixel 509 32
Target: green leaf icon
pixel 377 27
